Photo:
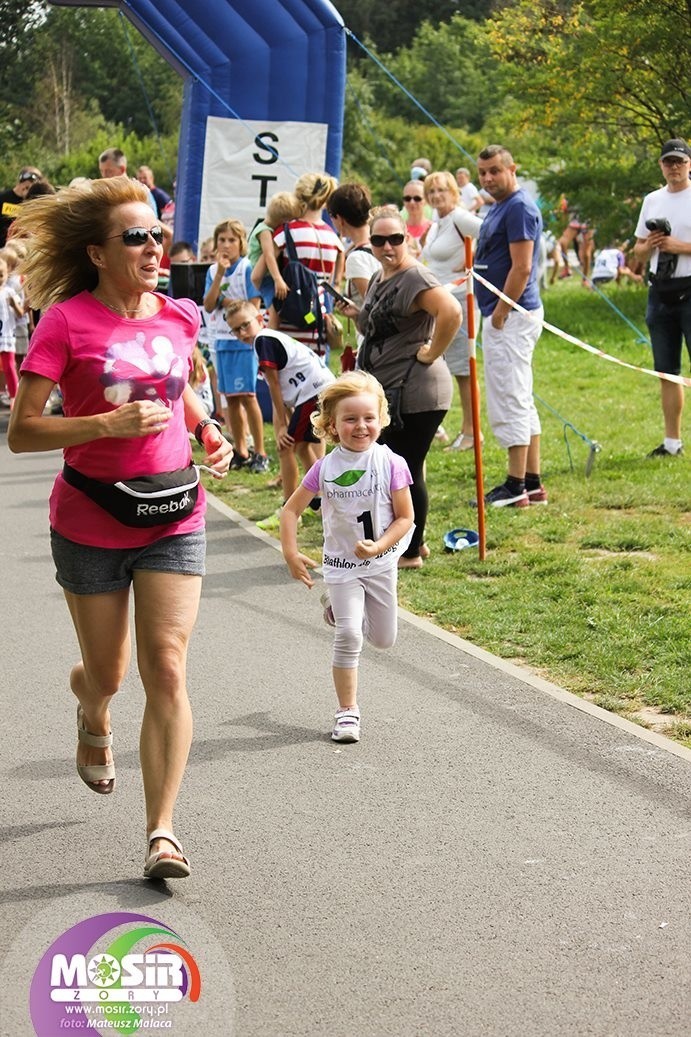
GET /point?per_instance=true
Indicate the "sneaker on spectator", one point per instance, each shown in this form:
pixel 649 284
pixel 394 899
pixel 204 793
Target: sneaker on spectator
pixel 346 725
pixel 662 451
pixel 538 495
pixel 272 523
pixel 259 463
pixel 503 497
pixel 238 462
pixel 329 618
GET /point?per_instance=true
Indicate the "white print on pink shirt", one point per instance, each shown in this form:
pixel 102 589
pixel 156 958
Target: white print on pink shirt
pixel 136 370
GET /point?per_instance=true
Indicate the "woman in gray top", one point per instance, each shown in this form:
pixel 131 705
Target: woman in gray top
pixel 407 321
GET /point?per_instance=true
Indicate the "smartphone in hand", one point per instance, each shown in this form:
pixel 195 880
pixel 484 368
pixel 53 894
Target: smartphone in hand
pixel 334 292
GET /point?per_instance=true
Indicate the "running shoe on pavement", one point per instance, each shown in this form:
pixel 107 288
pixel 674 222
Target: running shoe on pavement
pixel 346 725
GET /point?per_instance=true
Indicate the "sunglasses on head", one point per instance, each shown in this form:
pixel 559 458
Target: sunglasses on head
pixel 412 197
pixel 23 177
pixel 136 236
pixel 381 239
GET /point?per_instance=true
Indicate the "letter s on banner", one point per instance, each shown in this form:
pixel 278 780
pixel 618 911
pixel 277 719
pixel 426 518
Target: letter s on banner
pixel 271 149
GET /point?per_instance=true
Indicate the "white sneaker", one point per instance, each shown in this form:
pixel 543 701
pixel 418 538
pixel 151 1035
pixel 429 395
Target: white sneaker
pixel 346 725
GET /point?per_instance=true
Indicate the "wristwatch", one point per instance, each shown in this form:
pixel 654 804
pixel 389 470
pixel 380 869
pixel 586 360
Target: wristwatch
pixel 202 425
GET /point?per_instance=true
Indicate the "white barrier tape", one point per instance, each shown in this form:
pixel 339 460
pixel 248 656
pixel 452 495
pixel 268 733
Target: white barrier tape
pixel 679 379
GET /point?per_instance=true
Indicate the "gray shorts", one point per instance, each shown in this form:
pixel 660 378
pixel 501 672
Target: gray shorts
pixel 82 569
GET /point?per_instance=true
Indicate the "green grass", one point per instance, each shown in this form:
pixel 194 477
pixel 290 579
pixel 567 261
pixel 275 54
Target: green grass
pixel 591 592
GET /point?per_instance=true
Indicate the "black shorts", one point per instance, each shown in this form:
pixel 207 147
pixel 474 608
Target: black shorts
pixel 300 427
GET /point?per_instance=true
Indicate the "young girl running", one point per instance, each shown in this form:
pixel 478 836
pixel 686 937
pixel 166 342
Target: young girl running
pixel 368 520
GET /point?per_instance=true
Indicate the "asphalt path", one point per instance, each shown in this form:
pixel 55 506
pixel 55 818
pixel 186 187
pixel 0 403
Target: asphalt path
pixel 494 857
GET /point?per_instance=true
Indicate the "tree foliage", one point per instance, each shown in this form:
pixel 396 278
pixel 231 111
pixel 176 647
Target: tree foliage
pixel 77 80
pixel 582 91
pixel 589 67
pixel 447 68
pixel 394 24
pixel 590 89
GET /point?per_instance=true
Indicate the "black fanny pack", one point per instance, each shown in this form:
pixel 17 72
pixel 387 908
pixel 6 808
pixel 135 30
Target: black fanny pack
pixel 671 290
pixel 147 500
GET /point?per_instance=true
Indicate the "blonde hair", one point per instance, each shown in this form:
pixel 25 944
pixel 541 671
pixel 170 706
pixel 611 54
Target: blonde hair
pixel 446 180
pixel 206 245
pixel 387 212
pixel 237 229
pixel 313 190
pixel 10 257
pixel 352 383
pixel 282 208
pixel 17 247
pixel 57 229
pixel 236 305
pixel 198 374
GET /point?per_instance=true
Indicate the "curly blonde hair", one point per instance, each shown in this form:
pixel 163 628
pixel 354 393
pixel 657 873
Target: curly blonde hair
pixel 57 228
pixel 352 383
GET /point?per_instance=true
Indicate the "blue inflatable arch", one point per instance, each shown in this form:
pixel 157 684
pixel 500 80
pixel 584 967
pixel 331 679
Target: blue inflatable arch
pixel 264 84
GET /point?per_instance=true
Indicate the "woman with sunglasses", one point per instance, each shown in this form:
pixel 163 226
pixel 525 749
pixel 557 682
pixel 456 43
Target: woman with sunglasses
pixel 414 213
pixel 408 321
pixel 122 355
pixel 444 254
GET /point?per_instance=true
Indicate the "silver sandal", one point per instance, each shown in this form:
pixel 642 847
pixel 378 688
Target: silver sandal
pixel 160 865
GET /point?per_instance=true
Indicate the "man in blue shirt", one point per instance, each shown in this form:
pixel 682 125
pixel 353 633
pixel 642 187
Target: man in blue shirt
pixel 507 256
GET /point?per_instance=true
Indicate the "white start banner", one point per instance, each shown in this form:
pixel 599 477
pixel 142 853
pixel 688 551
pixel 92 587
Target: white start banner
pixel 245 163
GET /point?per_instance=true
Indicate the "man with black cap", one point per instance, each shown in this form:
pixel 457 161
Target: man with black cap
pixel 11 199
pixel 663 238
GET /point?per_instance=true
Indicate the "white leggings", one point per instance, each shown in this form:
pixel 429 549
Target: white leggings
pixel 364 607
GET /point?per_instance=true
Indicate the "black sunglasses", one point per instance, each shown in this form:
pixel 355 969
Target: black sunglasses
pixel 381 239
pixel 412 197
pixel 137 236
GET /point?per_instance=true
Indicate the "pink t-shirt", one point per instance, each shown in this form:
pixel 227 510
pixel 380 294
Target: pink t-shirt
pixel 102 360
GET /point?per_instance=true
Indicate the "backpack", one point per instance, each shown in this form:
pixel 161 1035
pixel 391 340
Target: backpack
pixel 302 307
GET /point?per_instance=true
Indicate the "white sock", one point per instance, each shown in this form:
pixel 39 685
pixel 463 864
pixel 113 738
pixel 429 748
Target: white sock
pixel 672 446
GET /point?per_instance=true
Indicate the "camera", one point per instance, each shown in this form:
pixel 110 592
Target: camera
pixel 661 224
